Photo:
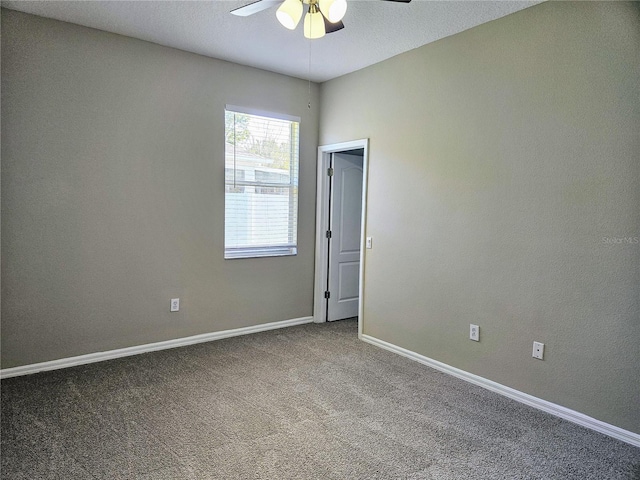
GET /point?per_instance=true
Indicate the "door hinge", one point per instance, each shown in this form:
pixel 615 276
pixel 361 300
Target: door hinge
pixel 330 172
pixel 327 294
pixel 328 234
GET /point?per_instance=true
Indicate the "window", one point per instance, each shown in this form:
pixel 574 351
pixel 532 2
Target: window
pixel 261 184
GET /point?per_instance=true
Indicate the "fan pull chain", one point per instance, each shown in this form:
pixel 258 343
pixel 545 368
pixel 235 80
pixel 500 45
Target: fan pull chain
pixel 309 73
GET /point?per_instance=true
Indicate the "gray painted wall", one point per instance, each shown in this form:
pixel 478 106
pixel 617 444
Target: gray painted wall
pixel 113 193
pixel 502 160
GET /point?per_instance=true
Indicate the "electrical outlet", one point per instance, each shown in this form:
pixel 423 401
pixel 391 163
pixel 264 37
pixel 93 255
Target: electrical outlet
pixel 474 332
pixel 538 350
pixel 175 304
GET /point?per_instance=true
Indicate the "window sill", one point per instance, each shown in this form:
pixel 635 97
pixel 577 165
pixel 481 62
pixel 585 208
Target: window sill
pixel 258 252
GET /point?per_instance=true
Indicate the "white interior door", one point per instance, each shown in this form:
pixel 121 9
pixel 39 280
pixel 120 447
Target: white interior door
pixel 344 246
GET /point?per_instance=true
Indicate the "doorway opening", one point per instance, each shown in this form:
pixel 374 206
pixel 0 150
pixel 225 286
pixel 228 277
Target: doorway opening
pixel 340 231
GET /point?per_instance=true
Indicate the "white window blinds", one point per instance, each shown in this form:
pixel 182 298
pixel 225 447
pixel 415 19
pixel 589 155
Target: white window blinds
pixel 261 184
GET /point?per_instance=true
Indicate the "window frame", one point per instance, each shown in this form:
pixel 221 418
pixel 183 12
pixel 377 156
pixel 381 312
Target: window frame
pixel 276 250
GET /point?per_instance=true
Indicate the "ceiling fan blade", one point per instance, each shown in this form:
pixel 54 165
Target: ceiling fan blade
pixel 399 1
pixel 332 27
pixel 254 7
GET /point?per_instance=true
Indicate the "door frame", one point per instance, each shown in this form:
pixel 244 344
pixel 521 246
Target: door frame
pixel 322 225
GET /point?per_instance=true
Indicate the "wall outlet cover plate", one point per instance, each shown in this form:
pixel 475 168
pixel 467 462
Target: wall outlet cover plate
pixel 175 304
pixel 474 332
pixel 538 350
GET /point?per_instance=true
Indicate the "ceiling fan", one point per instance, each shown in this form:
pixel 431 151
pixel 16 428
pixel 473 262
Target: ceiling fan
pixel 323 16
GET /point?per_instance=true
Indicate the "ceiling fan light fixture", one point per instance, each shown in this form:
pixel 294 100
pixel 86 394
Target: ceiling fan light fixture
pixel 314 23
pixel 334 10
pixel 289 13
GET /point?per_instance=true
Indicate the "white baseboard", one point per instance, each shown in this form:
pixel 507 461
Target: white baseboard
pixel 149 347
pixel 552 408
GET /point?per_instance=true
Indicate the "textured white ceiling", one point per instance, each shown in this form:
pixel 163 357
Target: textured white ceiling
pixel 374 30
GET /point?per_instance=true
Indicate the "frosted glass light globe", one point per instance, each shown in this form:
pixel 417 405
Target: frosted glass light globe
pixel 314 23
pixel 334 10
pixel 289 13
